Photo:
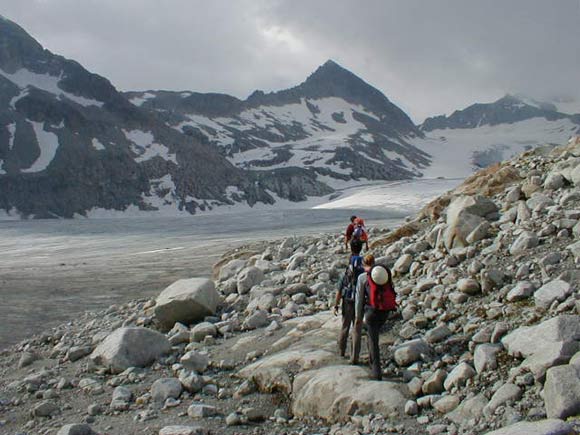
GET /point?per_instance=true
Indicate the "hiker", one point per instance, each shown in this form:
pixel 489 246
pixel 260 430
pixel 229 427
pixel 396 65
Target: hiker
pixel 349 231
pixel 375 298
pixel 356 235
pixel 346 294
pixel 359 234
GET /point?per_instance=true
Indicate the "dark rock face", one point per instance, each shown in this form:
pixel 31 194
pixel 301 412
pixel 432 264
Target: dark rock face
pixel 70 143
pixel 506 110
pixel 333 124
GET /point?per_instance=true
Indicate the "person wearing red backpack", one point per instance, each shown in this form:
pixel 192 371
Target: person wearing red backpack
pixel 375 299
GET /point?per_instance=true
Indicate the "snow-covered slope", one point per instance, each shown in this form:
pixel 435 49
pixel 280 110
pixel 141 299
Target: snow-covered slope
pixel 333 125
pixel 483 134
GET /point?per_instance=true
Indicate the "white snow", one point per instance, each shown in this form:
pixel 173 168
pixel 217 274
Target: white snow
pixel 24 78
pixel 453 149
pixel 401 196
pixel 145 148
pixel 569 106
pixel 138 101
pixel 48 144
pixel 10 215
pixel 2 171
pixel 97 144
pixel 12 131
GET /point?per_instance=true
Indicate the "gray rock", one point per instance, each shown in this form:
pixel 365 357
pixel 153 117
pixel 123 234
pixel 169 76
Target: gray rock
pixel 200 410
pixel 543 427
pixel 122 394
pixel 459 376
pixel 202 330
pixel 506 393
pixel 231 269
pixel 191 381
pixel 248 278
pixel 556 290
pixel 479 233
pixel 411 407
pixel 426 284
pixel 195 361
pixel 521 291
pixel 77 352
pixel 554 181
pixel 434 384
pixel 437 334
pixel 178 334
pixel 26 359
pixel 529 340
pixel 186 301
pixel 468 286
pixel 183 430
pixel 233 419
pixel 164 388
pixel 130 347
pixel 411 351
pixel 45 409
pixel 523 243
pixel 296 261
pixel 562 392
pixel 485 357
pixel 469 409
pixel 403 263
pixel 447 404
pixel 76 429
pixel 539 201
pixel 256 320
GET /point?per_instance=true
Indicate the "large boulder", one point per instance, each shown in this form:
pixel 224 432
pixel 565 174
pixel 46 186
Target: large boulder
pixel 130 347
pixel 529 340
pixel 76 429
pixel 562 392
pixel 464 215
pixel 248 278
pixel 336 392
pixel 550 343
pixel 556 290
pixel 186 301
pixel 543 427
pixel 271 373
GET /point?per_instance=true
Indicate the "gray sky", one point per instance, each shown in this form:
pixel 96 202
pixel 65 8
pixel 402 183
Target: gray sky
pixel 427 56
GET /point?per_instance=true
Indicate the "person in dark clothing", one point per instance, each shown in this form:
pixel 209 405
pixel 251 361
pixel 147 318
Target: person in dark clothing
pixel 374 319
pixel 346 294
pixel 349 231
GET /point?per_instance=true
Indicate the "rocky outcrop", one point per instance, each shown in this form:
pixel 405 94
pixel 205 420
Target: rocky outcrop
pixel 186 301
pixel 130 347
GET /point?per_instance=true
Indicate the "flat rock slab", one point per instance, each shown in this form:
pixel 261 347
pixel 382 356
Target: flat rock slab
pixel 76 429
pixel 186 301
pixel 130 347
pixel 272 373
pixel 336 392
pixel 543 427
pixel 183 430
pixel 528 340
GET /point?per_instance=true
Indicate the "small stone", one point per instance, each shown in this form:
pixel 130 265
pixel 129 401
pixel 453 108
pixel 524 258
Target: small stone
pixel 200 410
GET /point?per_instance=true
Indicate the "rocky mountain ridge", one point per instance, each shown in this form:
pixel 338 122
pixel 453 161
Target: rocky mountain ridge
pixel 71 145
pixel 487 342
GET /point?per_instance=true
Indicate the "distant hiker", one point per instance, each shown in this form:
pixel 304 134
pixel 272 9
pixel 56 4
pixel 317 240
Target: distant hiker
pixel 359 234
pixel 356 235
pixel 346 295
pixel 349 231
pixel 375 298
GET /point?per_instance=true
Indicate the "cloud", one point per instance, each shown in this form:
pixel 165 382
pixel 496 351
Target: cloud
pixel 428 57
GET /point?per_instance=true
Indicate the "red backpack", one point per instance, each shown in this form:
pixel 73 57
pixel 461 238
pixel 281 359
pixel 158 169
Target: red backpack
pixel 381 297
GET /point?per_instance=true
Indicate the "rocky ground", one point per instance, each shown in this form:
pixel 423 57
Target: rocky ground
pixel 487 341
